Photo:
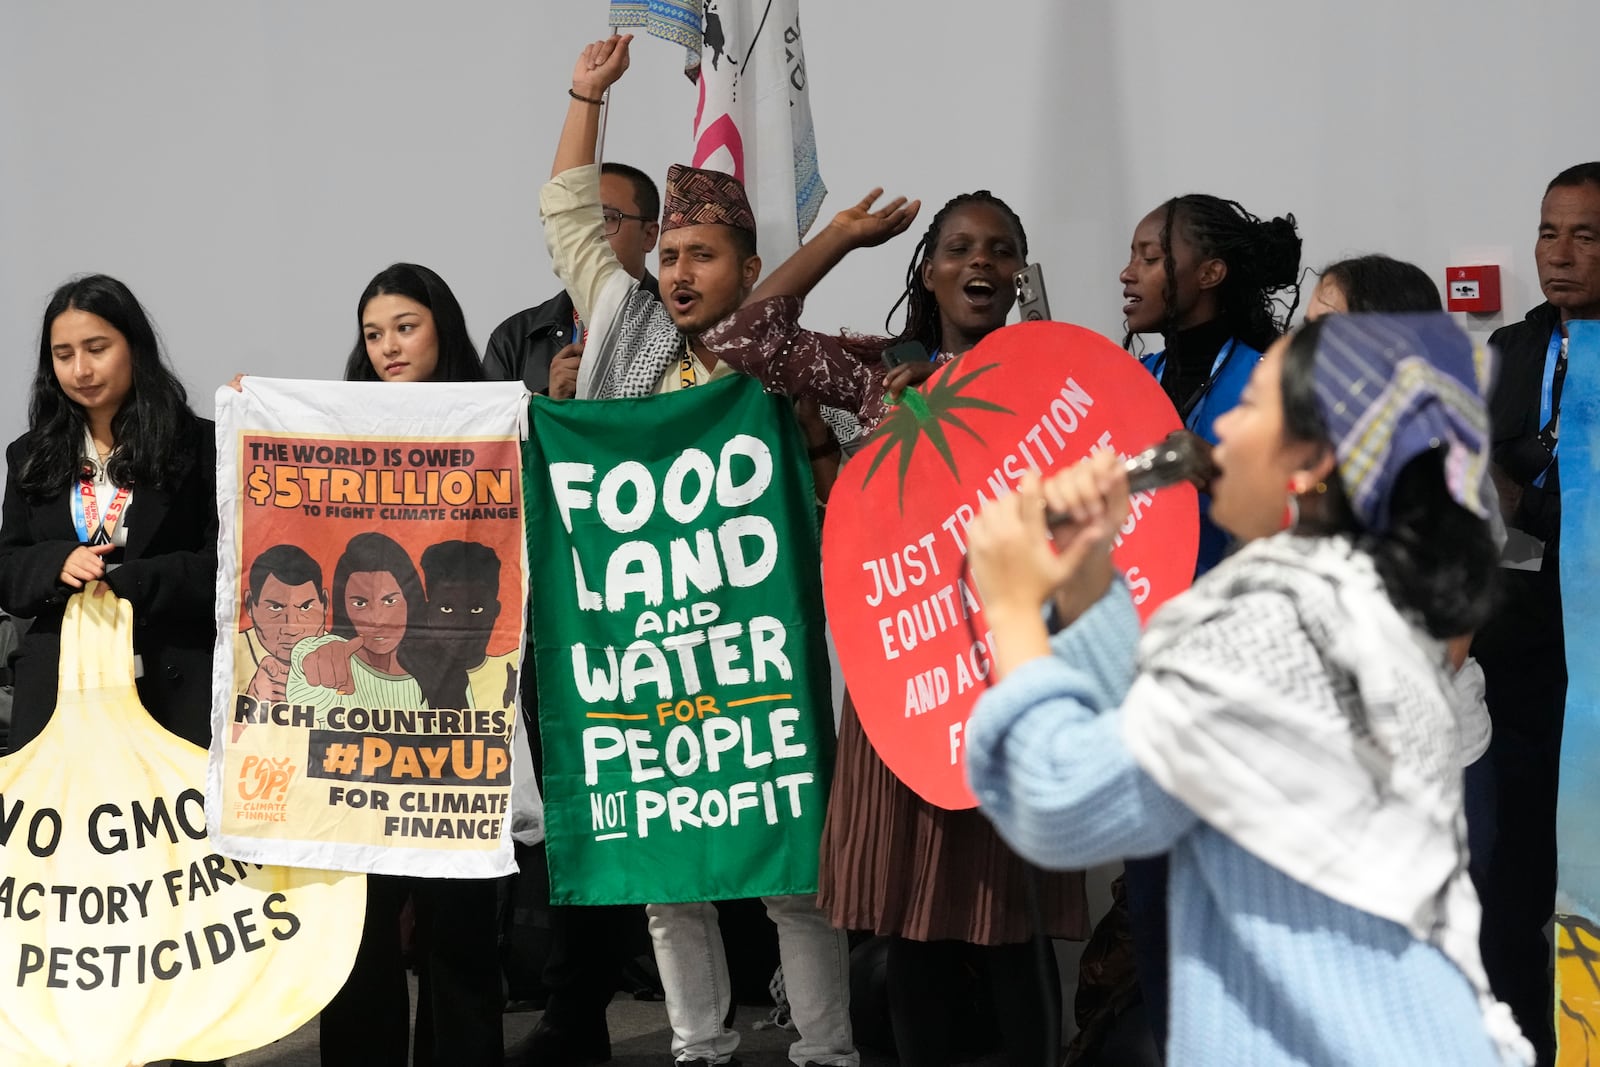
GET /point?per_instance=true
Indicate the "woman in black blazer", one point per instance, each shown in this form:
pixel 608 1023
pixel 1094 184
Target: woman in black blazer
pixel 115 481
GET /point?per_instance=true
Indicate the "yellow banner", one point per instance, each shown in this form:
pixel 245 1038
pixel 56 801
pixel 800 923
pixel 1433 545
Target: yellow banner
pixel 124 936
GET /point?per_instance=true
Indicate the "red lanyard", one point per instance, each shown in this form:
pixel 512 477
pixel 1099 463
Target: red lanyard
pixel 579 333
pixel 91 531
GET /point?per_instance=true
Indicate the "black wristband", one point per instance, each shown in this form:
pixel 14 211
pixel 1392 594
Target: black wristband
pixel 586 99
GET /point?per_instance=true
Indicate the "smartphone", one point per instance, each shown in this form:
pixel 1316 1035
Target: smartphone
pixel 904 352
pixel 1032 304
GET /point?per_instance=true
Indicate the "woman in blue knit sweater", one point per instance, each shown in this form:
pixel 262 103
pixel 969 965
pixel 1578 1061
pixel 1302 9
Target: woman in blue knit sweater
pixel 1287 729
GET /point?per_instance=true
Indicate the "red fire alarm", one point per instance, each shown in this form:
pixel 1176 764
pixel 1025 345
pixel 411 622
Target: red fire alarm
pixel 1475 289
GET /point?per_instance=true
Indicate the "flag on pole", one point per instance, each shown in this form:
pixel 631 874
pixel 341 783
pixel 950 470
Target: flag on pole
pixel 1577 906
pixel 753 119
pixel 678 21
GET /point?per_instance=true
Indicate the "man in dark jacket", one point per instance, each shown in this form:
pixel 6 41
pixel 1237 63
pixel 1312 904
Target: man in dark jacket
pixel 587 947
pixel 1522 649
pixel 542 345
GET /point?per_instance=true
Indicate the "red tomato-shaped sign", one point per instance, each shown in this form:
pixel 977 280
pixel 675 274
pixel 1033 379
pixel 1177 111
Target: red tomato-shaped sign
pixel 905 614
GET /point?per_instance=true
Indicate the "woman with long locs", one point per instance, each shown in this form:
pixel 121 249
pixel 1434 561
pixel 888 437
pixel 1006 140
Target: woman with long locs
pixel 114 482
pixel 950 897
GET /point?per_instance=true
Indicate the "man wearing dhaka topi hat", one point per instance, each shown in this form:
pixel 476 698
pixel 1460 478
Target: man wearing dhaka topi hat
pixel 639 347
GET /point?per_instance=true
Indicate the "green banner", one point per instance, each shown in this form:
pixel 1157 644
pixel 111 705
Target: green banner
pixel 684 698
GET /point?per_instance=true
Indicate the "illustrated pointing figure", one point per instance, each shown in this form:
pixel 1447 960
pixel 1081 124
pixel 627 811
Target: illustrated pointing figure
pixel 376 595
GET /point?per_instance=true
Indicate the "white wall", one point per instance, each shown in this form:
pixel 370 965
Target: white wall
pixel 247 166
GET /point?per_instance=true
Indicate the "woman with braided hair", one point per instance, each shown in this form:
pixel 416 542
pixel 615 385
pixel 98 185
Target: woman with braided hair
pixel 958 290
pixel 948 311
pixel 1204 273
pixel 950 896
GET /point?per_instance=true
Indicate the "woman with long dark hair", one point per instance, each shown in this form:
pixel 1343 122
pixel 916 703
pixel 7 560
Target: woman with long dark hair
pixel 114 481
pixel 1288 728
pixel 410 329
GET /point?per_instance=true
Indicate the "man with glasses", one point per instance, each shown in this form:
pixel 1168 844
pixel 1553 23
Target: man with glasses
pixel 542 345
pixel 585 948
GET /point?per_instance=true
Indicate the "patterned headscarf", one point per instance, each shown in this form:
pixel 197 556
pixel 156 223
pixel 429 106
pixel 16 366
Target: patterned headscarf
pixel 696 196
pixel 1392 387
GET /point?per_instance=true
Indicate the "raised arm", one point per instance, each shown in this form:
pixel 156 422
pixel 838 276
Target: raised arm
pixel 765 341
pixel 569 204
pixel 598 68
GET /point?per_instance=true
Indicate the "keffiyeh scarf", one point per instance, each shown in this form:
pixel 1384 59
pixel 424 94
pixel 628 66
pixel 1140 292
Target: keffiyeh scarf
pixel 1288 703
pixel 640 344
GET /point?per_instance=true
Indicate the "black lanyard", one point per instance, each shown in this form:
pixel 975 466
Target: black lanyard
pixel 1219 365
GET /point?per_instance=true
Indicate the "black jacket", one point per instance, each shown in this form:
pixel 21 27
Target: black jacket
pixel 1528 617
pixel 168 574
pixel 1514 416
pixel 523 345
